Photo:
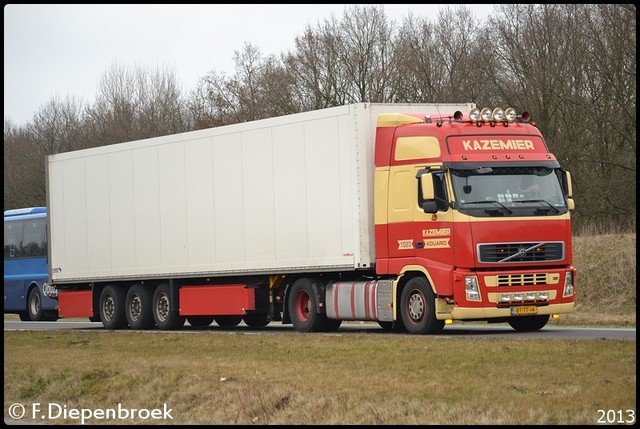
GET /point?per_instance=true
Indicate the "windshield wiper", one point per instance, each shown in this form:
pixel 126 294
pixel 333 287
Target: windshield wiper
pixel 489 202
pixel 538 201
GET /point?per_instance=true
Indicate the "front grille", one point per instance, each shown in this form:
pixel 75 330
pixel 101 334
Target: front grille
pixel 509 253
pixel 522 279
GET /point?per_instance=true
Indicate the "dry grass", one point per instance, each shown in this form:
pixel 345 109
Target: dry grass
pixel 356 378
pixel 606 279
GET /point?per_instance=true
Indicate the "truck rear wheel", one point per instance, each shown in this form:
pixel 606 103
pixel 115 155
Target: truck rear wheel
pixel 418 308
pixel 112 310
pixel 528 323
pixel 139 303
pixel 164 316
pixel 302 309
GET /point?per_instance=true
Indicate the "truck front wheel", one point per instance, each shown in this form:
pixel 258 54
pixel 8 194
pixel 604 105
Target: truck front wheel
pixel 418 308
pixel 528 323
pixel 164 316
pixel 112 312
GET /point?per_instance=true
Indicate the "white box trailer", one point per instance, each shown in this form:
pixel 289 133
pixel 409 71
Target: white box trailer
pixel 286 194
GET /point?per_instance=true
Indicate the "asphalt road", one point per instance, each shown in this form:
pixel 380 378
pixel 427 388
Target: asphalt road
pixel 501 330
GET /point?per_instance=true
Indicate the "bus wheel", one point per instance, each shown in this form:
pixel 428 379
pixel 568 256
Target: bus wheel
pixel 34 305
pixel 418 308
pixel 139 303
pixel 198 321
pixel 228 321
pixel 165 317
pixel 112 308
pixel 528 323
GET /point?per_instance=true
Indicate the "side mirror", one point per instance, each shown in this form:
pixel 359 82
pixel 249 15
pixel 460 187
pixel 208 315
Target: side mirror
pixel 567 183
pixel 569 188
pixel 426 183
pixel 430 206
pixel 571 203
pixel 428 193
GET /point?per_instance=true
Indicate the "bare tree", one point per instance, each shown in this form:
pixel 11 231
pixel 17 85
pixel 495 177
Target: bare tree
pixel 56 127
pixel 134 104
pixel 315 68
pixel 364 48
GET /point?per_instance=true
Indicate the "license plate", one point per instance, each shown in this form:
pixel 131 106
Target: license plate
pixel 519 311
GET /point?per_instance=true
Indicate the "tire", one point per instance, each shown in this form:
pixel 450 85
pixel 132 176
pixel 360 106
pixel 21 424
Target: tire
pixel 200 321
pixel 528 323
pixel 256 320
pixel 302 309
pixel 139 307
pixel 24 316
pixel 165 318
pixel 112 307
pixel 331 325
pixel 418 308
pixel 228 321
pixel 395 326
pixel 34 306
pixel 50 315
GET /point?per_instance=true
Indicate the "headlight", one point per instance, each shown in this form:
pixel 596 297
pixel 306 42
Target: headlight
pixel 510 114
pixel 486 114
pixel 471 288
pixel 474 115
pixel 568 284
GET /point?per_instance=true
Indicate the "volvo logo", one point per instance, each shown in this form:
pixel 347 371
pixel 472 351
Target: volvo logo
pixel 520 253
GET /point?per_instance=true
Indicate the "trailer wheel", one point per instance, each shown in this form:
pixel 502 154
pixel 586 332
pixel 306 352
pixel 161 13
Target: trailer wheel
pixel 228 321
pixel 256 320
pixel 139 304
pixel 528 323
pixel 198 321
pixel 112 308
pixel 302 309
pixel 164 316
pixel 418 308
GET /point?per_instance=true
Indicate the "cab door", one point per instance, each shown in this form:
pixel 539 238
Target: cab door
pixel 433 230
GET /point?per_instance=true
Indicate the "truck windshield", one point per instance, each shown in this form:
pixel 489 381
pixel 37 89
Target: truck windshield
pixel 509 190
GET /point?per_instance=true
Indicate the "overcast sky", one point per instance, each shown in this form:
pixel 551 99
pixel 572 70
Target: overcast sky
pixel 64 50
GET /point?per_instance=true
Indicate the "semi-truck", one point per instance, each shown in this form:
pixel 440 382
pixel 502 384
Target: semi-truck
pixel 408 216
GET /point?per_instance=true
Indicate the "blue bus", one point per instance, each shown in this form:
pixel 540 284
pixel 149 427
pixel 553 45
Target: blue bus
pixel 26 274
